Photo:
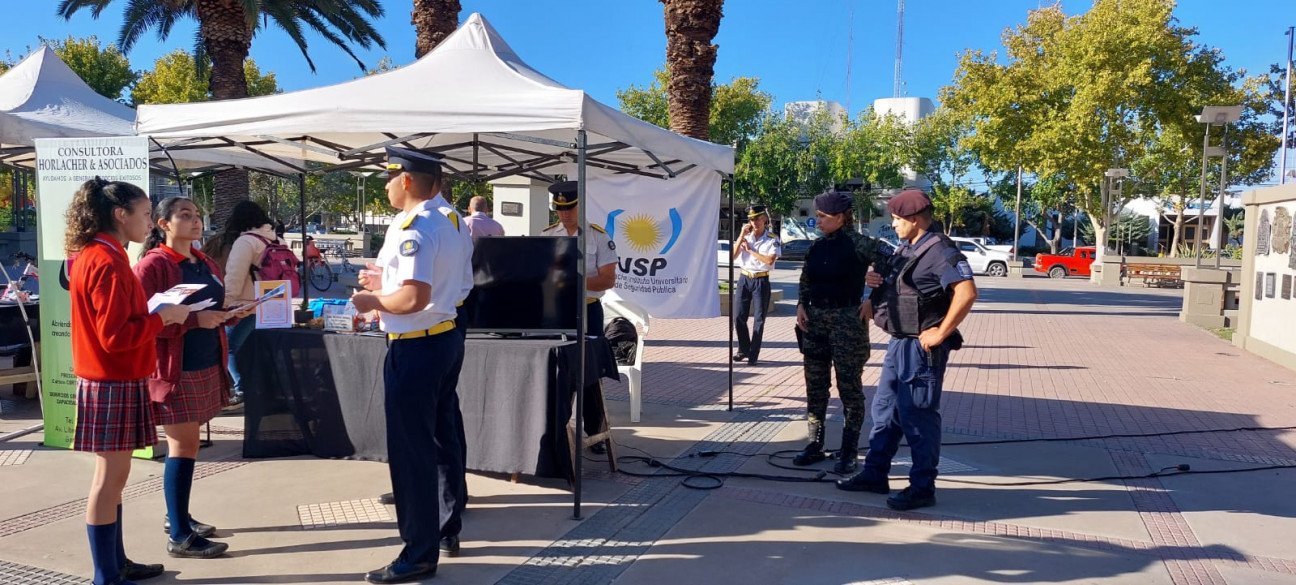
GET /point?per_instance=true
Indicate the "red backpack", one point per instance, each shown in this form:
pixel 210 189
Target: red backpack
pixel 278 263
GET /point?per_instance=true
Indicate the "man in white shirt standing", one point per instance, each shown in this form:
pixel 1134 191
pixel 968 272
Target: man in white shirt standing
pixel 755 254
pixel 480 223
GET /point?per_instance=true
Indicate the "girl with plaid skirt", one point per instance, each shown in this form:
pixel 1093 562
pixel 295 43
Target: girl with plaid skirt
pixel 190 385
pixel 113 354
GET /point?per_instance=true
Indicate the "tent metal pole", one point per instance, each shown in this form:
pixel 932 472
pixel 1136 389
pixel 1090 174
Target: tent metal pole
pixel 301 202
pixel 581 325
pixel 732 309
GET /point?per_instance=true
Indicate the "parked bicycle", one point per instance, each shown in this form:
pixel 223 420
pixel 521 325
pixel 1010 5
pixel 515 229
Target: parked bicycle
pixel 318 270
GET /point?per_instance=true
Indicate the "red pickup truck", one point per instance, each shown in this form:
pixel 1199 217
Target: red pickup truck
pixel 1068 262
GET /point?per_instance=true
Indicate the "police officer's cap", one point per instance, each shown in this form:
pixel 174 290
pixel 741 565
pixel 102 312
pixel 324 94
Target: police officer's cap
pixel 755 211
pixel 564 194
pixel 406 160
pixel 833 202
pixel 909 202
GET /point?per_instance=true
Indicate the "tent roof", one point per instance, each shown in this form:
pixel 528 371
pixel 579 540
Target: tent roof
pixel 472 99
pixel 41 97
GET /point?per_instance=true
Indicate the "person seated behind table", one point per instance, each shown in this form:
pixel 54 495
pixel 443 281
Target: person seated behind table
pixel 480 223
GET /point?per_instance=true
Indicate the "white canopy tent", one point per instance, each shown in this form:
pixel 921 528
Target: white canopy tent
pixel 473 100
pixel 41 97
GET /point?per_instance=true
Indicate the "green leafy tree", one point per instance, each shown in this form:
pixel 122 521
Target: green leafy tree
pixel 1076 95
pixel 180 78
pixel 1129 232
pixel 105 69
pixel 737 108
pixel 786 161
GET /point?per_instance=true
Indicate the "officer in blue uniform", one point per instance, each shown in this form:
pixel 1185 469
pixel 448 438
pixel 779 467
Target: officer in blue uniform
pixel 921 298
pixel 421 268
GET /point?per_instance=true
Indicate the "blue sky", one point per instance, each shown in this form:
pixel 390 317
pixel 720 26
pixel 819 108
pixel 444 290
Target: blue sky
pixel 797 49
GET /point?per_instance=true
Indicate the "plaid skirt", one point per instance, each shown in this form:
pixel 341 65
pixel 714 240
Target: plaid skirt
pixel 113 416
pixel 198 397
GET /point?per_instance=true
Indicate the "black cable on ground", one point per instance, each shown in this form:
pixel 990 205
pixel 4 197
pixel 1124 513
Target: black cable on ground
pixel 1116 436
pixel 714 480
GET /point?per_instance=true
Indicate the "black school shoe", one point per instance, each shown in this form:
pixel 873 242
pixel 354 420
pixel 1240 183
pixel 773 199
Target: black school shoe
pixel 196 547
pixel 909 499
pixel 861 483
pixel 400 572
pixel 450 546
pixel 133 571
pixel 203 530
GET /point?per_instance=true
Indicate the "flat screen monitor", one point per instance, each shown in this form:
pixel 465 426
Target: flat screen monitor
pixel 524 284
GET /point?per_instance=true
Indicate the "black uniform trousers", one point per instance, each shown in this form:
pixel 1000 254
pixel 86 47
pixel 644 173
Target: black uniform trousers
pixel 422 439
pixel 751 291
pixel 452 488
pixel 593 413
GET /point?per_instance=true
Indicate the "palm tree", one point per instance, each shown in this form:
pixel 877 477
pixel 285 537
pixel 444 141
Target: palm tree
pixel 225 32
pixel 434 20
pixel 690 59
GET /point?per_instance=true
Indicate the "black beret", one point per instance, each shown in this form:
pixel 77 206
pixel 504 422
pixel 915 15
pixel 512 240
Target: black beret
pixel 908 202
pixel 833 202
pixel 564 194
pixel 405 160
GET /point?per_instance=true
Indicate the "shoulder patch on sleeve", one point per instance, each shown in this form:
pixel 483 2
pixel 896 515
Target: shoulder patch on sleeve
pixel 611 244
pixel 409 247
pixel 964 269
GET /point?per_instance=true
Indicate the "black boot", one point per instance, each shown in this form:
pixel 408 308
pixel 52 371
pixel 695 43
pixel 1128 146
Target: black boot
pixel 813 453
pixel 848 456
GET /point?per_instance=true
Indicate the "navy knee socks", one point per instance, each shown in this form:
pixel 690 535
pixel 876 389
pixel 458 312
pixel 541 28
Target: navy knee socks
pixel 104 539
pixel 177 481
pixel 121 541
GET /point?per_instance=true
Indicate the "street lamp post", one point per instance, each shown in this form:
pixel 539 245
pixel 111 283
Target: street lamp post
pixel 1114 194
pixel 1212 116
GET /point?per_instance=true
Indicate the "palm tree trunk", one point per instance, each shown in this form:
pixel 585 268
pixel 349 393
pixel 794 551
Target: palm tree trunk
pixel 690 59
pixel 434 20
pixel 226 31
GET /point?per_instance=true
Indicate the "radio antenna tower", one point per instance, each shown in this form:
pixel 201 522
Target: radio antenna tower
pixel 850 43
pixel 899 46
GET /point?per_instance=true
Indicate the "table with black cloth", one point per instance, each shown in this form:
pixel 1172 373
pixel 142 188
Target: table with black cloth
pixel 310 392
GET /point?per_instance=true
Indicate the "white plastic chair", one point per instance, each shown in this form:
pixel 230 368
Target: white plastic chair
pixel 615 306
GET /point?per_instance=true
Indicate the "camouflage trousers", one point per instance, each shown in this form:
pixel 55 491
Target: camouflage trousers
pixel 836 339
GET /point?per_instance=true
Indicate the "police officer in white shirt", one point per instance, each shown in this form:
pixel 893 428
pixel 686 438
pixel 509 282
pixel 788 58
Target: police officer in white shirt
pixel 755 254
pixel 417 285
pixel 600 252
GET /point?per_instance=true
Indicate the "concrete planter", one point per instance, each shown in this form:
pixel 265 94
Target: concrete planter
pixel 775 296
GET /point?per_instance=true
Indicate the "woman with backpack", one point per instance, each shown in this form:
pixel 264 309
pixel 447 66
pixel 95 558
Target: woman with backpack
pixel 190 385
pixel 113 353
pixel 248 233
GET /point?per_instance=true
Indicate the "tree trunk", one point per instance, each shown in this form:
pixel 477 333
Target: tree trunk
pixel 1056 240
pixel 1178 235
pixel 226 31
pixel 690 59
pixel 433 21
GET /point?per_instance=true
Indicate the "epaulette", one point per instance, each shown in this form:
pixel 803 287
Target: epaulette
pixel 554 226
pixel 409 221
pixel 453 217
pixel 596 228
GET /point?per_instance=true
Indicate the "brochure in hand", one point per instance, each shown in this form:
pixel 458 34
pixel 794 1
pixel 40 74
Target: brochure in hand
pixel 266 296
pixel 176 295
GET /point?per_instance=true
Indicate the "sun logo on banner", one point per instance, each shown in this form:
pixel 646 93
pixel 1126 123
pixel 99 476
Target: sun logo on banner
pixel 644 232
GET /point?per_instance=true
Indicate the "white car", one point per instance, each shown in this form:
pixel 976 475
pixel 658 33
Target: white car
pixel 723 254
pixel 984 260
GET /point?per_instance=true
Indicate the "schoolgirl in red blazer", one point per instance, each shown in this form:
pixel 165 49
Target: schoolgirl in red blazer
pixel 112 356
pixel 190 384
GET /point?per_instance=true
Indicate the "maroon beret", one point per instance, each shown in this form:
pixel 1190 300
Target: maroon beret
pixel 908 202
pixel 832 202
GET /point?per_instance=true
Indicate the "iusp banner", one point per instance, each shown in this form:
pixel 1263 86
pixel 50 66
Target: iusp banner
pixel 62 166
pixel 665 234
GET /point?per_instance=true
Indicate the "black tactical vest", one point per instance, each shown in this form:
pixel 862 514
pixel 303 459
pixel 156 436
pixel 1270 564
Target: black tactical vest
pixel 908 311
pixel 834 271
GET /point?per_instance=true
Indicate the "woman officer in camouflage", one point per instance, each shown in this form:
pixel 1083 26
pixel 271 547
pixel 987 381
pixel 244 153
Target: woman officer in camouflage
pixel 831 326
